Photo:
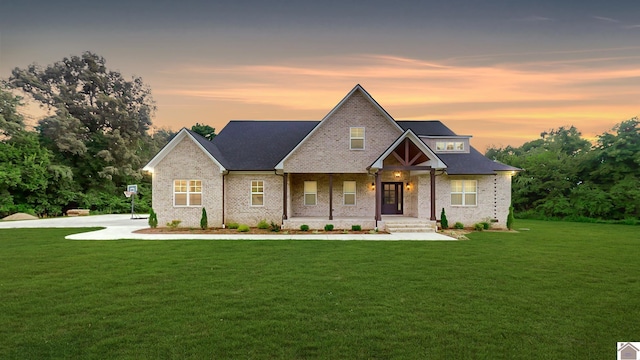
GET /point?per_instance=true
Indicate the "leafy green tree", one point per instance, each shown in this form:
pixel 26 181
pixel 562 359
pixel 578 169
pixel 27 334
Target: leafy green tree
pixel 100 121
pixel 11 121
pixel 205 130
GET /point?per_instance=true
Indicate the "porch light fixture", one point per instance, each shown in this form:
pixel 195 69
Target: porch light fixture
pixel 373 186
pixel 408 186
pixel 397 174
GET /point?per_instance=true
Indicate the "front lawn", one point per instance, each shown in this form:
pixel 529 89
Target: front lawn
pixel 558 290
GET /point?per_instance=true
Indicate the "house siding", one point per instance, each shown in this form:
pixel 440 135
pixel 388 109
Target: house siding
pixel 326 150
pixel 238 207
pixel 187 161
pixel 365 196
pixel 493 199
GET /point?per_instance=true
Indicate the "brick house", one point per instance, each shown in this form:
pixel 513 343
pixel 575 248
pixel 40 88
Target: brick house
pixel 357 166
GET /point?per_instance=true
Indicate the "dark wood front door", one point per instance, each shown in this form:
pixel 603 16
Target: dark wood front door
pixel 392 198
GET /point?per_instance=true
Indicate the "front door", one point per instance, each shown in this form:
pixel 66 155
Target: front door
pixel 392 198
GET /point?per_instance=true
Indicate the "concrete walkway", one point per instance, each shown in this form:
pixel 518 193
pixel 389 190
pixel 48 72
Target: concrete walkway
pixel 117 227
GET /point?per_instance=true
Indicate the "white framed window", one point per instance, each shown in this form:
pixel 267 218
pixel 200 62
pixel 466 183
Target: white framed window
pixel 187 192
pixel 464 192
pixel 349 192
pixel 257 193
pixel 450 146
pixel 310 192
pixel 356 138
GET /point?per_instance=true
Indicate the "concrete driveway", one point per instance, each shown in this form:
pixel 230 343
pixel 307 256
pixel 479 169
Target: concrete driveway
pixel 118 227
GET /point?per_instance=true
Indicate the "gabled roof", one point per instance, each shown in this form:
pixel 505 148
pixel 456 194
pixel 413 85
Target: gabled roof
pixel 472 163
pixel 210 150
pixel 259 145
pixel 357 88
pixel 437 163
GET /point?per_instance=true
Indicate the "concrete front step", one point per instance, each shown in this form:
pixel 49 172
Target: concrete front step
pixel 407 227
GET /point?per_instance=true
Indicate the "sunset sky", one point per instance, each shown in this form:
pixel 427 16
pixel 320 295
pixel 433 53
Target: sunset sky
pixel 502 71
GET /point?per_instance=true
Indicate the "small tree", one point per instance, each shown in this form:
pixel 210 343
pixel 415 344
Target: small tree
pixel 443 220
pixel 510 218
pixel 153 219
pixel 204 223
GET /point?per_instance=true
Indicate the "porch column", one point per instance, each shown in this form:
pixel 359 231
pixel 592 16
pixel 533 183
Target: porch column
pixel 432 174
pixel 285 180
pixel 378 196
pixel 330 196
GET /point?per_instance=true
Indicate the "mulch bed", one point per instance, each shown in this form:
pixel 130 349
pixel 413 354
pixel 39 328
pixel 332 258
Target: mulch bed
pixel 214 231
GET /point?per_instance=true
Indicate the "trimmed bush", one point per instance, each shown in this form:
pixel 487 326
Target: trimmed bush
pixel 204 222
pixel 510 218
pixel 304 227
pixel 485 225
pixel 243 228
pixel 153 219
pixel 478 227
pixel 356 228
pixel 232 225
pixel 274 227
pixel 263 225
pixel 443 220
pixel 458 225
pixel 328 227
pixel 174 224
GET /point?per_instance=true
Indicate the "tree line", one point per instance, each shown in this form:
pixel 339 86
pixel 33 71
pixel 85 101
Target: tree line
pixel 566 176
pixel 94 142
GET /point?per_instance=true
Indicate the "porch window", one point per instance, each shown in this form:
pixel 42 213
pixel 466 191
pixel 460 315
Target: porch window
pixel 356 138
pixel 257 193
pixel 464 192
pixel 349 192
pixel 187 192
pixel 310 192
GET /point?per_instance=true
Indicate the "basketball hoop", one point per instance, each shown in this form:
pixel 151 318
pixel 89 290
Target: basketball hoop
pixel 128 193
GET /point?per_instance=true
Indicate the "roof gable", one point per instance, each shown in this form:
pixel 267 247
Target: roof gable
pixel 357 89
pixel 209 150
pixel 434 161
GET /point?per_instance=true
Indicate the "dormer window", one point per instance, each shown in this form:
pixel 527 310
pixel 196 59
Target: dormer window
pixel 356 138
pixel 450 146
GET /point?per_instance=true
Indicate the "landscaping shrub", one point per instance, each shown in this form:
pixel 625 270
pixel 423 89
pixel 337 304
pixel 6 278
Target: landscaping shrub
pixel 458 225
pixel 328 227
pixel 478 227
pixel 304 227
pixel 243 228
pixel 232 225
pixel 174 224
pixel 356 228
pixel 204 222
pixel 485 225
pixel 153 219
pixel 443 220
pixel 263 225
pixel 274 227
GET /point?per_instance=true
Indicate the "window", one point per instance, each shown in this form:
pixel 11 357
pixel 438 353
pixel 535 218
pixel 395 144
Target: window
pixel 349 192
pixel 464 192
pixel 310 193
pixel 187 192
pixel 450 145
pixel 257 193
pixel 356 138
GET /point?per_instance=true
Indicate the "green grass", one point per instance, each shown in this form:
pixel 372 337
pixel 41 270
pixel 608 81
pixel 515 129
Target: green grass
pixel 558 290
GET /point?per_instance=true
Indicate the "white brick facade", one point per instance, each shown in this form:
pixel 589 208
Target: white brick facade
pixel 326 150
pixel 187 161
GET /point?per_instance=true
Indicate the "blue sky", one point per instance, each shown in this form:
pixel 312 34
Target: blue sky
pixel 503 71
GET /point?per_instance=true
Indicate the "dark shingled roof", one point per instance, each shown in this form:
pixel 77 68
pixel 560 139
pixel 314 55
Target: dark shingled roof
pixel 258 145
pixel 472 163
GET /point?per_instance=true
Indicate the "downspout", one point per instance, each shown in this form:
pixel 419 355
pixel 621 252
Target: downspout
pixel 284 194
